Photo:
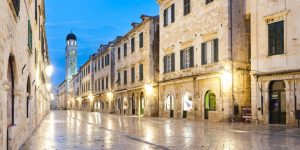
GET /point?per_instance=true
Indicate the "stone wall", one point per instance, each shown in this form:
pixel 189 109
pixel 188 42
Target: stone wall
pixel 28 66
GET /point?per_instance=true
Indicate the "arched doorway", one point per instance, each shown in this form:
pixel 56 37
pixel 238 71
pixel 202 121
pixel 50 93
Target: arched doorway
pixel 277 103
pixel 133 104
pixel 210 103
pixel 142 104
pixel 169 105
pixel 10 96
pixel 28 97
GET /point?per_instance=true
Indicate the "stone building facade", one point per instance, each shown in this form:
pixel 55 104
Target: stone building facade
pixel 86 82
pixel 62 96
pixel 204 59
pixel 24 84
pixel 103 64
pixel 73 93
pixel 275 70
pixel 136 69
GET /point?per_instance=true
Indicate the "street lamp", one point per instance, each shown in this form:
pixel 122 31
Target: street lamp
pixel 226 77
pixel 49 70
pixel 49 86
pixel 109 95
pixel 91 97
pixel 52 96
pixel 149 89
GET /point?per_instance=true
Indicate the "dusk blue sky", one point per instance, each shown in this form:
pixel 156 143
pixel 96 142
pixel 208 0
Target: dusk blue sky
pixel 94 22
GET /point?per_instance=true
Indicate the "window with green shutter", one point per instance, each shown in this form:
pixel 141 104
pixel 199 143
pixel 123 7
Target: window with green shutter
pixel 125 77
pixel 29 37
pixel 187 58
pixel 210 52
pixel 186 7
pixel 16 5
pixel 141 39
pixel 169 63
pixel 132 44
pixel 132 74
pixel 125 49
pixel 119 78
pixel 276 38
pixel 169 15
pixel 141 72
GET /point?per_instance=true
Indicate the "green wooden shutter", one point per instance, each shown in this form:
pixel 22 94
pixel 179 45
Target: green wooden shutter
pixel 132 74
pixel 173 13
pixel 141 72
pixel 165 17
pixel 141 40
pixel 173 62
pixel 165 64
pixel 29 36
pixel 203 54
pixel 191 50
pixel 181 60
pixel 280 37
pixel 216 50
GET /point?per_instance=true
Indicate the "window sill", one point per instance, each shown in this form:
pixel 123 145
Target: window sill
pixel 274 55
pixel 210 64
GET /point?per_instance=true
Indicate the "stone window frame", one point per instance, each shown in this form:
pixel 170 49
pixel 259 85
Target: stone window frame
pixel 187 58
pixel 214 52
pixel 186 7
pixel 273 18
pixel 169 15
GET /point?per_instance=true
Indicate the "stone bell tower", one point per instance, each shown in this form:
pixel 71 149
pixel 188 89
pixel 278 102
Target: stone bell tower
pixel 71 56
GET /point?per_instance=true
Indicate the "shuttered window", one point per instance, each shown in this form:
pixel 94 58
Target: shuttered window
pixel 187 58
pixel 132 44
pixel 187 7
pixel 210 52
pixel 141 39
pixel 169 15
pixel 169 63
pixel 276 38
pixel 141 72
pixel 119 53
pixel 125 49
pixel 29 37
pixel 16 4
pixel 119 78
pixel 107 82
pixel 132 74
pixel 125 77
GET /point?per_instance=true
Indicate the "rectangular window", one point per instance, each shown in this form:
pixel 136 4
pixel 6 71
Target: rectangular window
pixel 187 58
pixel 169 63
pixel 35 10
pixel 141 39
pixel 132 74
pixel 103 62
pixel 107 82
pixel 106 60
pixel 125 49
pixel 29 37
pixel 119 78
pixel 99 64
pixel 99 84
pixel 16 4
pixel 103 84
pixel 141 72
pixel 119 53
pixel 210 52
pixel 276 38
pixel 35 57
pixel 208 1
pixel 125 77
pixel 187 7
pixel 132 44
pixel 169 15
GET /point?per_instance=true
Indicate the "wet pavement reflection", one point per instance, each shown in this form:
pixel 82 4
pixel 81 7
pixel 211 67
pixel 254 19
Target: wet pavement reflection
pixel 87 130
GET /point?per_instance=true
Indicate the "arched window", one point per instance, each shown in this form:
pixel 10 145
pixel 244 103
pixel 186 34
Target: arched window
pixel 210 101
pixel 169 102
pixel 28 97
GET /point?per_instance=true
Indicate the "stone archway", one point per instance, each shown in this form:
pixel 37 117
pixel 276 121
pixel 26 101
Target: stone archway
pixel 277 102
pixel 10 96
pixel 142 104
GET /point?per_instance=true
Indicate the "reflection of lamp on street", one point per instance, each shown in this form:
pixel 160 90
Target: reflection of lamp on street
pixel 49 70
pixel 109 95
pixel 149 89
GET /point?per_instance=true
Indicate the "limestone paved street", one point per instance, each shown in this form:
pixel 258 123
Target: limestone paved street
pixel 86 130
